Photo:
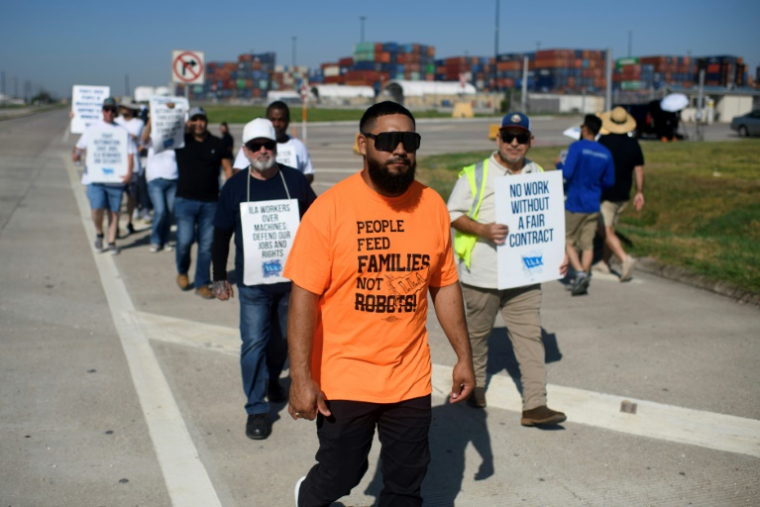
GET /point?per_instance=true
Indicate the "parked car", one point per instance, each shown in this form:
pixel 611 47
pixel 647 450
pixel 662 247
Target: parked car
pixel 747 125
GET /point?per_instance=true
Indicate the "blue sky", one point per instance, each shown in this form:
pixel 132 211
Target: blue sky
pixel 58 44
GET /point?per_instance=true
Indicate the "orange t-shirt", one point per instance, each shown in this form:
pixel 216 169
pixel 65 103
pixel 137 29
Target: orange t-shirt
pixel 371 259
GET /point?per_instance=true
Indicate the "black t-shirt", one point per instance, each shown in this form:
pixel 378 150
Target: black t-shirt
pixel 229 143
pixel 198 164
pixel 234 192
pixel 626 154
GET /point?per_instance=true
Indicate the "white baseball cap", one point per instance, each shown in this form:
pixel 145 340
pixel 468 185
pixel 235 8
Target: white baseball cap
pixel 260 128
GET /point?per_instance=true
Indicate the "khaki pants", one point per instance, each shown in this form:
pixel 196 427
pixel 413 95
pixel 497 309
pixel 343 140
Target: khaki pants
pixel 520 309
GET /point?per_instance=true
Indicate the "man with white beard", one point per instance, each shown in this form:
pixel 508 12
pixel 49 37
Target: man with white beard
pixel 263 293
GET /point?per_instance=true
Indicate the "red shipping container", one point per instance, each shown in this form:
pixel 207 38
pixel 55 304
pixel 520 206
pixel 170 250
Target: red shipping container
pixel 346 62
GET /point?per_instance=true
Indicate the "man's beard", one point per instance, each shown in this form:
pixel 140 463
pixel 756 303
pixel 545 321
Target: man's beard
pixel 392 184
pixel 263 165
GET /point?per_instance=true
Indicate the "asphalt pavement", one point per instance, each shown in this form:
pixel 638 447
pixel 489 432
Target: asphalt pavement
pixel 121 390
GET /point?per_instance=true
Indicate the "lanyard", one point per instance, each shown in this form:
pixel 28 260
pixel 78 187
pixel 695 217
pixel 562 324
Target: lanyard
pixel 248 187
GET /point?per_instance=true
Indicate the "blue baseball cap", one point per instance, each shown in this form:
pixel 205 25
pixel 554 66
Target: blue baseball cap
pixel 515 120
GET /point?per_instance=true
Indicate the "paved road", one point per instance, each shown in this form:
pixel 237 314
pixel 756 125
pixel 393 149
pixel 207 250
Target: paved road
pixel 119 390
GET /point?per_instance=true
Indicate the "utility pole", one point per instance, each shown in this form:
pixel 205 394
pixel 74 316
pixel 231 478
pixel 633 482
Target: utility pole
pixel 495 85
pixel 361 19
pixel 700 104
pixel 294 52
pixel 608 74
pixel 524 94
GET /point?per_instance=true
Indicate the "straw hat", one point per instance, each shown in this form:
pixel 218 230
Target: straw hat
pixel 617 121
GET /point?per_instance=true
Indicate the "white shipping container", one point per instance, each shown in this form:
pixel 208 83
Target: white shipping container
pixel 331 71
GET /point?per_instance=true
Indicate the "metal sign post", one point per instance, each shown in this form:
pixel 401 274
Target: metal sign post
pixel 700 105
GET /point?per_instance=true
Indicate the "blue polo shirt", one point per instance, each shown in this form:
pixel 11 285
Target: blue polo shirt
pixel 587 169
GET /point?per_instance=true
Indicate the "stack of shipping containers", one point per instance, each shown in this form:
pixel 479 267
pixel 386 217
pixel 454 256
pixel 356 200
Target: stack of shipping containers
pixel 569 70
pixel 632 75
pixel 289 78
pixel 723 70
pixel 553 70
pixel 509 70
pixel 249 77
pixel 475 70
pixel 375 63
pixel 670 70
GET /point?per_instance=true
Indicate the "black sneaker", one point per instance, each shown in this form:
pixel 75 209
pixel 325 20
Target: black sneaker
pixel 112 249
pixel 130 228
pixel 99 242
pixel 257 427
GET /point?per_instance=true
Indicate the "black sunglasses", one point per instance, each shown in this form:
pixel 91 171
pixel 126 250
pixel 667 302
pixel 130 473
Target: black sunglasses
pixel 109 109
pixel 522 138
pixel 255 146
pixel 387 141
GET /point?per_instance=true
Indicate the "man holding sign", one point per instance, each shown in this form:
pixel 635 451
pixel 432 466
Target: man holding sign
pixel 262 206
pixel 108 169
pixel 472 209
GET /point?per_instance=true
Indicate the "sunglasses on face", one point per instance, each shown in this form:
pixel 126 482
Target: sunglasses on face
pixel 255 147
pixel 387 141
pixel 522 138
pixel 109 109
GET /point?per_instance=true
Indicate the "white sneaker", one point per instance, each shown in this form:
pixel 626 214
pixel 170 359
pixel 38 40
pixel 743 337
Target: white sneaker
pixel 627 271
pixel 601 267
pixel 298 488
pixel 169 247
pixel 154 248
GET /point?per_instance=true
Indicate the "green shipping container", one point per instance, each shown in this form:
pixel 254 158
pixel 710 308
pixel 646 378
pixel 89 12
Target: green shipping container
pixel 198 89
pixel 263 84
pixel 367 56
pixel 364 47
pixel 241 84
pixel 430 68
pixel 631 85
pixel 622 62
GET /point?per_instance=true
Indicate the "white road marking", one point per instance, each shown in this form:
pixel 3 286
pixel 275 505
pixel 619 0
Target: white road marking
pixel 653 420
pixel 187 480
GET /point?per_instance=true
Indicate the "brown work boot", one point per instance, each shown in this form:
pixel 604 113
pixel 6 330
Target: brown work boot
pixel 205 292
pixel 477 398
pixel 541 415
pixel 183 281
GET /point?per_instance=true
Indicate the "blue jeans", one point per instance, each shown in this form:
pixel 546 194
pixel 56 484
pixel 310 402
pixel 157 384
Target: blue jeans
pixel 195 221
pixel 263 308
pixel 162 194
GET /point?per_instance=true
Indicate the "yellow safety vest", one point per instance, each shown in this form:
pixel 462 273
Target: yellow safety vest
pixel 477 175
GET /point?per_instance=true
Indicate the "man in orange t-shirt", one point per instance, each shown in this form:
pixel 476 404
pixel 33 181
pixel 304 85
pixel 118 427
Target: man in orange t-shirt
pixel 365 255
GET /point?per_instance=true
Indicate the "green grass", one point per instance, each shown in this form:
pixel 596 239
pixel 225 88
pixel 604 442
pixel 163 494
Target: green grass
pixel 244 114
pixel 702 208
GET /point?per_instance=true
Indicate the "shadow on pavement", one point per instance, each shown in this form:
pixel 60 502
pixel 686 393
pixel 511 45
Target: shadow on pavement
pixel 453 428
pixel 501 355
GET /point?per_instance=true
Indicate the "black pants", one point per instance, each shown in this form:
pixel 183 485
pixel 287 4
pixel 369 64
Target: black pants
pixel 345 439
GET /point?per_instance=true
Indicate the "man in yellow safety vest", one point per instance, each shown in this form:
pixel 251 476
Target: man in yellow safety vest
pixel 472 209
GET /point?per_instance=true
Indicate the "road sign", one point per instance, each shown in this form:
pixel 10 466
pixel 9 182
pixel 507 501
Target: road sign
pixel 304 89
pixel 188 67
